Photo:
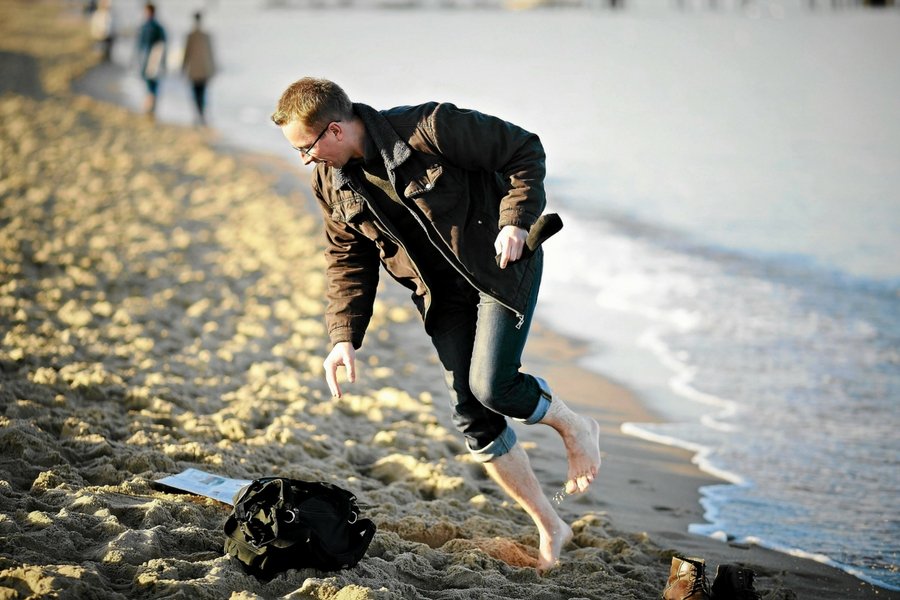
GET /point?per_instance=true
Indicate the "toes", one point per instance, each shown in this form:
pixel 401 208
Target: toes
pixel 579 484
pixel 584 482
pixel 545 565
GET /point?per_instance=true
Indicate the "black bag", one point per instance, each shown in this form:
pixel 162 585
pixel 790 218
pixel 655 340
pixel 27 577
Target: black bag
pixel 280 523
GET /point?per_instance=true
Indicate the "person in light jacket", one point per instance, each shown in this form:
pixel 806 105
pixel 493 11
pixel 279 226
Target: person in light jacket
pixel 103 28
pixel 443 198
pixel 198 65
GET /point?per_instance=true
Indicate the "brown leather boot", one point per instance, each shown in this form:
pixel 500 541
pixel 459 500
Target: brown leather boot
pixel 734 583
pixel 687 580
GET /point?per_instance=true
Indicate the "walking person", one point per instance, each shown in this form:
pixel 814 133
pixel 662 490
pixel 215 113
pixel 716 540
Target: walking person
pixel 443 198
pixel 198 65
pixel 103 28
pixel 151 47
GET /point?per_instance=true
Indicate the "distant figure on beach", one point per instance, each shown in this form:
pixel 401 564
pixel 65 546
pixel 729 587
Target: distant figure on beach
pixel 103 28
pixel 151 46
pixel 443 198
pixel 198 65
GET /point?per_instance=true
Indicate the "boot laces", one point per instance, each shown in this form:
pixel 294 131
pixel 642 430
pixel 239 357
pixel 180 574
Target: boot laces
pixel 699 584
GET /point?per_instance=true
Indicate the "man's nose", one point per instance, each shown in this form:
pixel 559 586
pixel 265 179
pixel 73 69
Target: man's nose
pixel 306 158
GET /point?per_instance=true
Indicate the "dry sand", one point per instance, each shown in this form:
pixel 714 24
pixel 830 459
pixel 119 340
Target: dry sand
pixel 161 308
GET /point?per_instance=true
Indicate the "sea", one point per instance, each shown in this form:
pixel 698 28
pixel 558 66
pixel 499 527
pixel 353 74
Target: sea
pixel 728 173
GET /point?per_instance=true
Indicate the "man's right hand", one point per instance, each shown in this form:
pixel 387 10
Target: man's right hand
pixel 344 355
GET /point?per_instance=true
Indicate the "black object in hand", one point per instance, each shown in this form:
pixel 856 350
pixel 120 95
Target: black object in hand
pixel 543 228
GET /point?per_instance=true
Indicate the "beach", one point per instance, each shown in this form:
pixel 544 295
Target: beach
pixel 161 309
pixel 729 244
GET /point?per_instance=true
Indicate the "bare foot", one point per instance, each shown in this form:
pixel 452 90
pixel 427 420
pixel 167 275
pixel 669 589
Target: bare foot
pixel 583 448
pixel 552 543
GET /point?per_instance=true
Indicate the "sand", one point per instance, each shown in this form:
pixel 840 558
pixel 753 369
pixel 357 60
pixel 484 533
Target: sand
pixel 161 308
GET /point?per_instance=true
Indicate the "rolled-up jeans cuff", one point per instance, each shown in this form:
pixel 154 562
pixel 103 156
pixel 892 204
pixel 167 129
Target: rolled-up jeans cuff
pixel 500 446
pixel 543 404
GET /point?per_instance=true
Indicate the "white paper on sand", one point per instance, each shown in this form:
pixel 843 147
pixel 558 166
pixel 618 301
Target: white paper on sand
pixel 206 484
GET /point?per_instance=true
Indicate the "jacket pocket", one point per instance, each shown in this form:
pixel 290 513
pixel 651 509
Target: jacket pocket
pixel 435 192
pixel 346 207
pixel 425 182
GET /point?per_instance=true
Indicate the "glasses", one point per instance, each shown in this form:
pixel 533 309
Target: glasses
pixel 306 151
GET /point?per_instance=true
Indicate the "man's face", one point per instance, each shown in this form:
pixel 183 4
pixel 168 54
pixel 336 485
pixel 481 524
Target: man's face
pixel 319 146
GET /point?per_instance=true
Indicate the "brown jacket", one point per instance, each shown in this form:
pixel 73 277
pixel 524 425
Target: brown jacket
pixel 198 62
pixel 463 175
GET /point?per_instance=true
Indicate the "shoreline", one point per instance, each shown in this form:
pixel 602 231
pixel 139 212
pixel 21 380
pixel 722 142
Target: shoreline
pixel 633 468
pixel 636 469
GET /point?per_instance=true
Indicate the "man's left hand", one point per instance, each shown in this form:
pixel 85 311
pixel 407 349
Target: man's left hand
pixel 509 244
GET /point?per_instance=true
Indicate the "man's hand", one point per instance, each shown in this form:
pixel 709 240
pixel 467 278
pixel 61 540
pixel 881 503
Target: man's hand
pixel 344 355
pixel 509 244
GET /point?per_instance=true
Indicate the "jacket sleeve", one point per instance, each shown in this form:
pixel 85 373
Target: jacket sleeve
pixel 352 265
pixel 476 141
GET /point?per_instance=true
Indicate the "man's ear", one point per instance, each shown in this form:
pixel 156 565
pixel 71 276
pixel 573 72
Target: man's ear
pixel 337 129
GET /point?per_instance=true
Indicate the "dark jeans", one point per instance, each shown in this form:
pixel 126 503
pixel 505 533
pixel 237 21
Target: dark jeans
pixel 152 86
pixel 199 90
pixel 480 343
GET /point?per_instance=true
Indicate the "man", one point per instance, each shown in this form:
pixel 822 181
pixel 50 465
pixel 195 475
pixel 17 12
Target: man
pixel 198 65
pixel 433 192
pixel 151 43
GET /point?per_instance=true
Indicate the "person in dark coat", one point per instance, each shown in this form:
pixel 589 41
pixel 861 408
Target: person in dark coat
pixel 198 65
pixel 443 198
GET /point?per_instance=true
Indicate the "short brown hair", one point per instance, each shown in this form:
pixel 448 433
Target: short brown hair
pixel 313 102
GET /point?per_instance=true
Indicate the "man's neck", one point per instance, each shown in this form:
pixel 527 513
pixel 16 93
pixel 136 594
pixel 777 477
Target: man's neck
pixel 356 137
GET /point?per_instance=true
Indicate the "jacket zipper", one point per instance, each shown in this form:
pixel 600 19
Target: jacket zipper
pixel 451 259
pixel 384 227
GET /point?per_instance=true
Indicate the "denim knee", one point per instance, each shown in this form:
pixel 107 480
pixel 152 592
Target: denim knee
pixel 525 398
pixel 491 391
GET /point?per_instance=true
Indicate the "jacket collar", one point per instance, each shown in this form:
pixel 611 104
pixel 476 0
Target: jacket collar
pixel 393 150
